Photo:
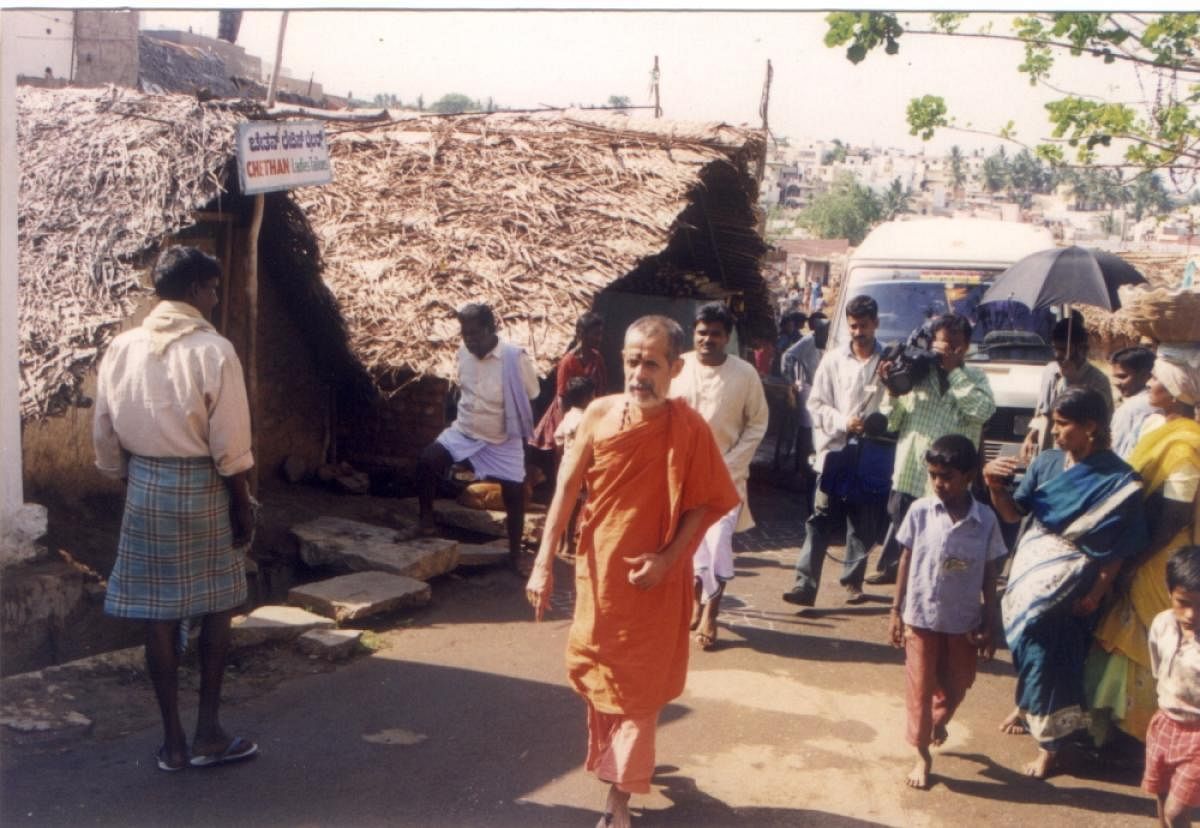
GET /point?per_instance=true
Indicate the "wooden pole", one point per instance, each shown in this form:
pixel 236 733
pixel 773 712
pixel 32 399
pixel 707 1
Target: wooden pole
pixel 654 81
pixel 252 275
pixel 763 107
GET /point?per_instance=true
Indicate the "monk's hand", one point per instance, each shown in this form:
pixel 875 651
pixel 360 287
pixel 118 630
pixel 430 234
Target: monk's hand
pixel 539 586
pixel 647 571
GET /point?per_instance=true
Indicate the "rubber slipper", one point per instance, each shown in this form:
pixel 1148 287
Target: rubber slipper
pixel 164 765
pixel 237 750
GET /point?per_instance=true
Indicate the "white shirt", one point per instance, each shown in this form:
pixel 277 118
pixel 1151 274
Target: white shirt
pixel 1175 663
pixel 843 387
pixel 1127 422
pixel 481 393
pixel 730 398
pixel 799 364
pixel 189 401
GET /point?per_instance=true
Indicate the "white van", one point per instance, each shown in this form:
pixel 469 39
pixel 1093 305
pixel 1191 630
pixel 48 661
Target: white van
pixel 919 269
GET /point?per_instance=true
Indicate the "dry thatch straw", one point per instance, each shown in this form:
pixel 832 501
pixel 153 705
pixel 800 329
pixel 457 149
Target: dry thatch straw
pixel 533 214
pixel 104 176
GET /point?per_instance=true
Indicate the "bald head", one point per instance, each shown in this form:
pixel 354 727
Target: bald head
pixel 664 326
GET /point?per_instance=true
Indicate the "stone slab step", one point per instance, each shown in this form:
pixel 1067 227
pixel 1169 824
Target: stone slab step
pixel 471 555
pixel 275 624
pixel 448 512
pixel 332 645
pixel 357 547
pixel 360 595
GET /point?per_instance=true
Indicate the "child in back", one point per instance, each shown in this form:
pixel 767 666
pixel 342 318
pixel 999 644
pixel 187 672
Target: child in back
pixel 945 595
pixel 1173 738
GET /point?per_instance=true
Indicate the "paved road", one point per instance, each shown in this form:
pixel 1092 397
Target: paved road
pixel 465 719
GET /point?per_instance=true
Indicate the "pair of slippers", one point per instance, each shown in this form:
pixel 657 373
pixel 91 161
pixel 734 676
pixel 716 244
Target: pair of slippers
pixel 237 750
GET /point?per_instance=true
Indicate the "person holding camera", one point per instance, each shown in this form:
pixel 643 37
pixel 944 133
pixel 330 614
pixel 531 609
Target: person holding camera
pixel 844 392
pixel 952 398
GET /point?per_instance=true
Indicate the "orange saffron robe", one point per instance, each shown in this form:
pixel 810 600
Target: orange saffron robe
pixel 627 652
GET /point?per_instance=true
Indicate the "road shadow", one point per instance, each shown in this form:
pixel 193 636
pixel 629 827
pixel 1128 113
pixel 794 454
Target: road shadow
pixel 379 742
pixel 690 806
pixel 1008 785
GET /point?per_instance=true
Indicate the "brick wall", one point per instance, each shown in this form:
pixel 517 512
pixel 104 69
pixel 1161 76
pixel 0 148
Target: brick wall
pixel 390 433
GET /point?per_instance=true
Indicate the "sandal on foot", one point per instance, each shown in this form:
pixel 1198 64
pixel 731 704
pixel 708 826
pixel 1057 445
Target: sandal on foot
pixel 237 750
pixel 164 764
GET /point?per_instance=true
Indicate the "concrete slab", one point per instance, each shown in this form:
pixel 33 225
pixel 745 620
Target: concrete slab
pixel 357 547
pixel 449 512
pixel 360 595
pixel 332 645
pixel 471 555
pixel 275 624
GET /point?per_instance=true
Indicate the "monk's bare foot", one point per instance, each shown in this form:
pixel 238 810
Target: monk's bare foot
pixel 1042 766
pixel 1014 725
pixel 616 810
pixel 939 736
pixel 918 777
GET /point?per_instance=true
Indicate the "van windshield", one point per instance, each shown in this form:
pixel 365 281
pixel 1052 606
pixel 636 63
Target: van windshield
pixel 910 297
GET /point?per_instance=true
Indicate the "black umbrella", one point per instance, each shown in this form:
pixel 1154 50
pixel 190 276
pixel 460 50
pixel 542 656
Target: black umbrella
pixel 1064 276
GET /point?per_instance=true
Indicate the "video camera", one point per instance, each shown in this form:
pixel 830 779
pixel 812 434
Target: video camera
pixel 911 361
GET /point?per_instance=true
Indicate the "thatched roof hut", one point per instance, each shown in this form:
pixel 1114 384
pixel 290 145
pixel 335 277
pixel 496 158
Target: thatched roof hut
pixel 106 176
pixel 535 214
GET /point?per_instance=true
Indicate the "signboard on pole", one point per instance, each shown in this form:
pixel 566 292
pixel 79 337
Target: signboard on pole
pixel 282 155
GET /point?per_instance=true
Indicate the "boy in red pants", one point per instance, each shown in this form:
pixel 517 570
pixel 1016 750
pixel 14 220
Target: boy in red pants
pixel 1173 739
pixel 949 547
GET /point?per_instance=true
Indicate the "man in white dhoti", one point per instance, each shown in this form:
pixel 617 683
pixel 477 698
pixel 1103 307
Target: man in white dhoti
pixel 727 392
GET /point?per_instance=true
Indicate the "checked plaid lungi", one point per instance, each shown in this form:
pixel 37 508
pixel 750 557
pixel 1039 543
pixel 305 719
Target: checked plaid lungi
pixel 175 558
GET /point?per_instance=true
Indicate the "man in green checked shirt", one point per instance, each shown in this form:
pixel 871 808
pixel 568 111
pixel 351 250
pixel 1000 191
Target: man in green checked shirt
pixel 954 398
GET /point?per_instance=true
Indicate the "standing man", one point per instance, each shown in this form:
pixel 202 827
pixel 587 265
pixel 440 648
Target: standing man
pixel 172 420
pixel 845 390
pixel 1070 369
pixel 799 366
pixel 727 392
pixel 953 398
pixel 655 483
pixel 496 381
pixel 1131 370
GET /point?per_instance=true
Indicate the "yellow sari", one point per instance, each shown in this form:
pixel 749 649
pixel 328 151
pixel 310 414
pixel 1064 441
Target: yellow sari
pixel 1118 673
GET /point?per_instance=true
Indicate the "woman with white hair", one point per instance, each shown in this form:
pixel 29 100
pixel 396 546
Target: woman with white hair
pixel 1121 687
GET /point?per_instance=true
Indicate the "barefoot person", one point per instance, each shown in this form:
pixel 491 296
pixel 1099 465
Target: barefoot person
pixel 496 381
pixel 949 544
pixel 1086 505
pixel 172 419
pixel 655 481
pixel 728 394
pixel 1173 742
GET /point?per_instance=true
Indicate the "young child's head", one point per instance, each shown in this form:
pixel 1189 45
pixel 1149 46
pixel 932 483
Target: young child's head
pixel 579 392
pixel 951 462
pixel 1183 582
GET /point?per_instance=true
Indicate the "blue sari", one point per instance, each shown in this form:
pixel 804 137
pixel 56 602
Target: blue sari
pixel 1083 518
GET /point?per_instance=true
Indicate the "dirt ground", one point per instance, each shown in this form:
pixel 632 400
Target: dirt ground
pixel 460 715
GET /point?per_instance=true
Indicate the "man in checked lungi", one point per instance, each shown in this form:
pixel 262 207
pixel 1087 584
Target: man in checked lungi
pixel 496 381
pixel 172 420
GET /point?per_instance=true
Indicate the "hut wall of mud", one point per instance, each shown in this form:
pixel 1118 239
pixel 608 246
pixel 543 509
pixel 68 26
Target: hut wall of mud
pixel 386 434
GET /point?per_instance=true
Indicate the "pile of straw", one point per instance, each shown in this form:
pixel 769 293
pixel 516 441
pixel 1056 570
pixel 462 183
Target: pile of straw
pixel 532 214
pixel 104 176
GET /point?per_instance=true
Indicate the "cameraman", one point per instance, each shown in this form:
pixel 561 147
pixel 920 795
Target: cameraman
pixel 953 398
pixel 844 391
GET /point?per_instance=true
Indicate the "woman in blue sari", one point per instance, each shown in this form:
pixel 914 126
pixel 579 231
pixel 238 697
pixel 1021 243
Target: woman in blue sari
pixel 1087 519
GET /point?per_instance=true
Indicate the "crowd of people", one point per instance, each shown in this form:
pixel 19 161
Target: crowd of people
pixel 1100 608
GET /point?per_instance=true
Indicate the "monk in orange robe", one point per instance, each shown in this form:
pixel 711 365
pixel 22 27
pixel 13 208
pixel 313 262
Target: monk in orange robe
pixel 655 481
